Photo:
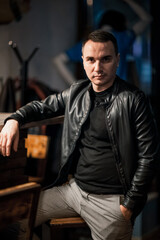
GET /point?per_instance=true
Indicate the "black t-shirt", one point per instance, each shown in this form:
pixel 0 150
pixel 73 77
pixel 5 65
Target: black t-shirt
pixel 96 169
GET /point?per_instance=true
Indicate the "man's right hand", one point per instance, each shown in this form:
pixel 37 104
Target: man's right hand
pixel 9 137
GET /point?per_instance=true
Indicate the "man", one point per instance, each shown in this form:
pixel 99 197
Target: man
pixel 109 144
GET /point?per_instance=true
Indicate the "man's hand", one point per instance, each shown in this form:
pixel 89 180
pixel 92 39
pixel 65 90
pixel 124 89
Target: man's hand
pixel 9 137
pixel 126 212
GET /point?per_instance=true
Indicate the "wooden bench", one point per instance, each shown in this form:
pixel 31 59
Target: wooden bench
pixel 19 198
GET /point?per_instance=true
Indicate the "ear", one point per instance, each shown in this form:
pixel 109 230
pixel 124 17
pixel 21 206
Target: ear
pixel 83 60
pixel 118 59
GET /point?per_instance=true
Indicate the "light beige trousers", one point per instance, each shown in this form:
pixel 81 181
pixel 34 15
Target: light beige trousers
pixel 101 212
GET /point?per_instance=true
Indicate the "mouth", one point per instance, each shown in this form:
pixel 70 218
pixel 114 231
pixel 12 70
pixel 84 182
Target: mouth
pixel 99 76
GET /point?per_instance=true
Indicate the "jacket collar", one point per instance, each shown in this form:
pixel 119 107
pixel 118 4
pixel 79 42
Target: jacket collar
pixel 113 93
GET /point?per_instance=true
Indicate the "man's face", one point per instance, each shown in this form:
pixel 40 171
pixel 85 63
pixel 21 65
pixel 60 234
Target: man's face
pixel 100 63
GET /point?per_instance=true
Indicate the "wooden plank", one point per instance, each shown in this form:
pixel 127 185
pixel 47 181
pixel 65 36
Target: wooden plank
pixel 67 222
pixel 17 189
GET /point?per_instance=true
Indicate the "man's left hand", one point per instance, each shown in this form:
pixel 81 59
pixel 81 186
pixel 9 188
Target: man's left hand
pixel 126 212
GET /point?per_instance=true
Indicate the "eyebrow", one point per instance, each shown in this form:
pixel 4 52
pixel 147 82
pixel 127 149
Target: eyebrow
pixel 105 56
pixel 89 57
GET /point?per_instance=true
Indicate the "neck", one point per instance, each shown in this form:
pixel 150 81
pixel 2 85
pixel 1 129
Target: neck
pixel 98 88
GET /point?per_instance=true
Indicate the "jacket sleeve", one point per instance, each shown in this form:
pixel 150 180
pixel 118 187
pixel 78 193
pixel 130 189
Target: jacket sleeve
pixel 148 149
pixel 52 106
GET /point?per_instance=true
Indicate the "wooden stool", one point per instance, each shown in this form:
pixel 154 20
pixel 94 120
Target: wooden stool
pixel 56 226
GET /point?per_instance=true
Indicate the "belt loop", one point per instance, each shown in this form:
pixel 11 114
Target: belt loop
pixel 88 196
pixel 85 195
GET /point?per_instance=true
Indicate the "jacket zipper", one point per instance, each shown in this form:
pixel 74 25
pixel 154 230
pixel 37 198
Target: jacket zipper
pixel 115 150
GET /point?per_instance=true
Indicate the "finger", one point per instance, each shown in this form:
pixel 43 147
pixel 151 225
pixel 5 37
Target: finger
pixel 8 147
pixel 0 142
pixel 3 146
pixel 15 143
pixel 0 139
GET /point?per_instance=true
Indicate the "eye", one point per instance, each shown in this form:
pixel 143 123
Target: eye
pixel 90 59
pixel 106 59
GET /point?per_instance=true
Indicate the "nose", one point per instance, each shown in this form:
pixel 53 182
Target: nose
pixel 97 66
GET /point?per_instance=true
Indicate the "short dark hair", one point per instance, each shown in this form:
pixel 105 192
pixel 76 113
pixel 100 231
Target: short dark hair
pixel 101 36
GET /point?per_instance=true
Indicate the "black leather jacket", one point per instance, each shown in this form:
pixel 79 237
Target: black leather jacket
pixel 130 126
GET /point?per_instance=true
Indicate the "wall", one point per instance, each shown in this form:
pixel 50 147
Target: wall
pixel 51 24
